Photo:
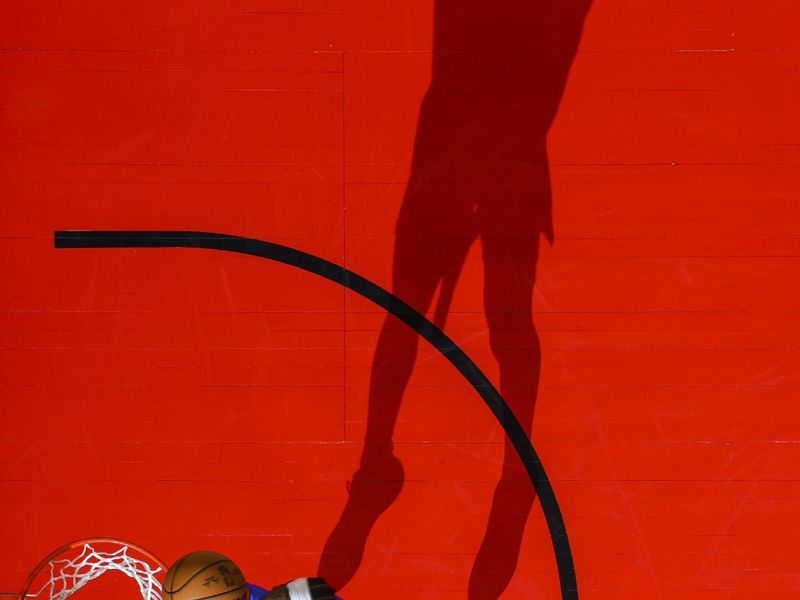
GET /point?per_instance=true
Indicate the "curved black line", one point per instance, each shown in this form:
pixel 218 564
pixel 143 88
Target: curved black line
pixel 395 306
pixel 174 574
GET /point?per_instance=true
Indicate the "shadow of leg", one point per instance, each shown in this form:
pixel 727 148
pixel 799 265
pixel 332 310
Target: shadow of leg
pixel 421 263
pixel 497 557
pixel 509 267
pixel 379 479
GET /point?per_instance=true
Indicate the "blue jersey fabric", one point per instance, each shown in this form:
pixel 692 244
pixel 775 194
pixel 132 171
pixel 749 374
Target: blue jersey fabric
pixel 257 593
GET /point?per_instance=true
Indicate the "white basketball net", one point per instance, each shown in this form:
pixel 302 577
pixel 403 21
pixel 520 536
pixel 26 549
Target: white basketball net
pixel 68 576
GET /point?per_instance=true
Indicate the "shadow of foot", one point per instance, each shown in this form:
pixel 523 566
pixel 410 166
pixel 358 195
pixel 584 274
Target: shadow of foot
pixel 498 554
pixel 375 486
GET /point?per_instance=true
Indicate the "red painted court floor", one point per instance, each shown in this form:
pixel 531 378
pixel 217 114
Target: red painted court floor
pixel 595 200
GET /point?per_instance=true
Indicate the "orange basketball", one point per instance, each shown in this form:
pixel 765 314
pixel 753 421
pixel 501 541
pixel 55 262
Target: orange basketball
pixel 204 574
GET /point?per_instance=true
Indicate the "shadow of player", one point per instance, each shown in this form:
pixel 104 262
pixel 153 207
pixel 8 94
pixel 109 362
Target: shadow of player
pixel 479 172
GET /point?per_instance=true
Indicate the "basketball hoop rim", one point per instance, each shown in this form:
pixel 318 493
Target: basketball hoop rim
pixel 81 542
